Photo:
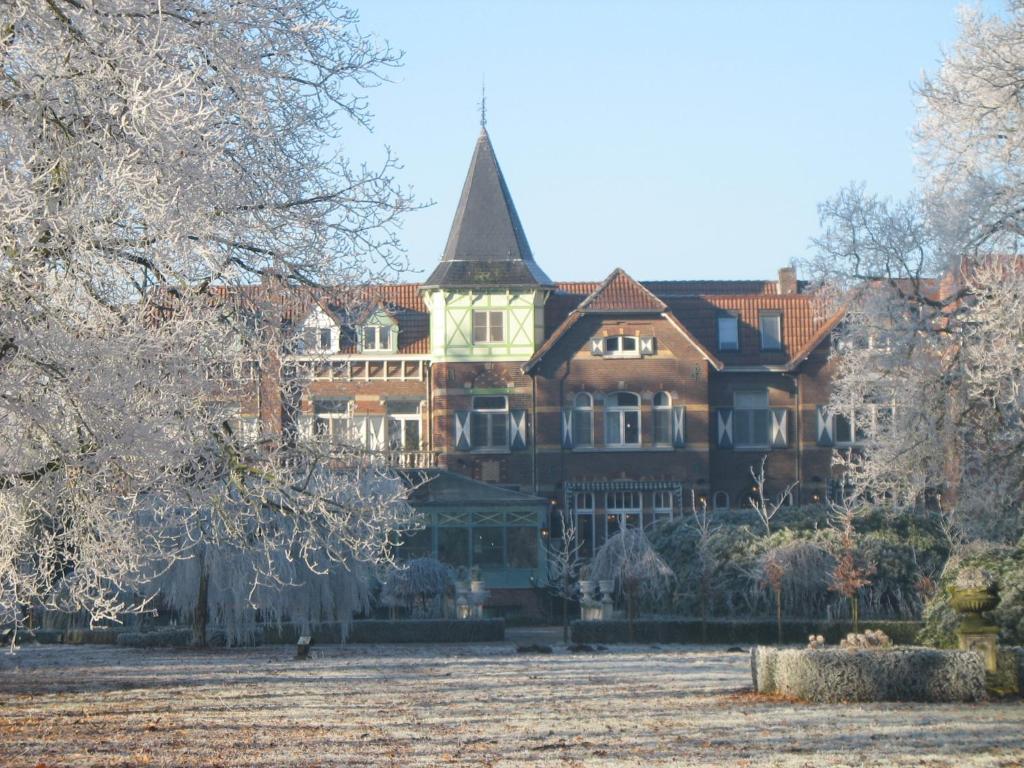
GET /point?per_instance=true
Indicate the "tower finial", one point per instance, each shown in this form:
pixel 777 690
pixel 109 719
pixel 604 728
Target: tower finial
pixel 483 104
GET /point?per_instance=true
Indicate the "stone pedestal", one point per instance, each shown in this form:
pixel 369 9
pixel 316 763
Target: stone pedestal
pixel 983 641
pixel 591 610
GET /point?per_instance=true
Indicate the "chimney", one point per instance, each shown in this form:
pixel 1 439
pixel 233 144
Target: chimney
pixel 787 281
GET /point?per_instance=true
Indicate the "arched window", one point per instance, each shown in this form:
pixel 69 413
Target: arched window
pixel 663 419
pixel 720 500
pixel 583 420
pixel 622 419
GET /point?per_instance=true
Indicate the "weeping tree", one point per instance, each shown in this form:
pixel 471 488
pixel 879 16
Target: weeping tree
pixel 415 584
pixel 160 161
pixel 638 572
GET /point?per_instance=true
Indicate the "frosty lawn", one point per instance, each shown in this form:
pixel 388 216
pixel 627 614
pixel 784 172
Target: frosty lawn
pixel 468 705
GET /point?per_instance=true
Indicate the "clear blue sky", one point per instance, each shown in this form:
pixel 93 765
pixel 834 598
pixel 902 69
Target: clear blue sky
pixel 677 140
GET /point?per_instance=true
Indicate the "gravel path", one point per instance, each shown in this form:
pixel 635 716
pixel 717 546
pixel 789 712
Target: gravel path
pixel 480 705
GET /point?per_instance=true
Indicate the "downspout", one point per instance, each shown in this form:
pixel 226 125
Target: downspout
pixel 428 379
pixel 533 380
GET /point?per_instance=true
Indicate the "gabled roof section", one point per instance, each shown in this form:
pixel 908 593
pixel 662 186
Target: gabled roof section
pixel 621 293
pixel 487 245
pixel 618 294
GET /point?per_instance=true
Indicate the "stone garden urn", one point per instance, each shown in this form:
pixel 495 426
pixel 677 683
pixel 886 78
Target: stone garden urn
pixel 972 595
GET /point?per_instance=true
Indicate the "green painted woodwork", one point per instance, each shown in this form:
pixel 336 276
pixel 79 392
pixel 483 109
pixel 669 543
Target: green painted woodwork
pixel 443 523
pixel 451 324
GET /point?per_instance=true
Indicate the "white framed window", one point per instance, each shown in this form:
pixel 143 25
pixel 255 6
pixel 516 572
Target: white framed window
pixel 489 422
pixel 332 419
pixel 488 326
pixel 324 339
pixel 369 432
pixel 851 429
pixel 583 419
pixel 771 331
pixel 621 346
pixel 404 425
pixel 728 332
pixel 622 419
pixel 377 338
pixel 720 500
pixel 584 502
pixel 750 421
pixel 661 503
pixel 662 418
pixel 623 510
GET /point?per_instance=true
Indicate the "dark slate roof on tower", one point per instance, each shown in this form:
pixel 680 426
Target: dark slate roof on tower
pixel 487 245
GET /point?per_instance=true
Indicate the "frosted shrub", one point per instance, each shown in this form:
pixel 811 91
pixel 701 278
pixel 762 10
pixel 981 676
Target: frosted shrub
pixel 868 640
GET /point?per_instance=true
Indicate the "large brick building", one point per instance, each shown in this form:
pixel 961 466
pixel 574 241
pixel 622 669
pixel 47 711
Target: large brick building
pixel 614 401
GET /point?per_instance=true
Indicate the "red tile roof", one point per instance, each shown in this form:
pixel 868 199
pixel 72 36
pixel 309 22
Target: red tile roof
pixel 621 293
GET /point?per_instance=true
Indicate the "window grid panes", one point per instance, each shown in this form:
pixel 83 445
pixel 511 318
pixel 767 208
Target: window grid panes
pixel 583 420
pixel 489 422
pixel 662 419
pixel 622 419
pixel 751 419
pixel 621 346
pixel 488 326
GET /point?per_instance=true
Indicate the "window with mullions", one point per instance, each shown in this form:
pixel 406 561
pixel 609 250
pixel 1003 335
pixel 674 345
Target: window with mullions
pixel 488 326
pixel 583 420
pixel 622 419
pixel 584 506
pixel 404 425
pixel 489 422
pixel 852 429
pixel 750 419
pixel 376 338
pixel 332 419
pixel 623 510
pixel 663 419
pixel 661 501
pixel 621 346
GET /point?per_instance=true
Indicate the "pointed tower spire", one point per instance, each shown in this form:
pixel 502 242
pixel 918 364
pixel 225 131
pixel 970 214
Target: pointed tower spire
pixel 486 246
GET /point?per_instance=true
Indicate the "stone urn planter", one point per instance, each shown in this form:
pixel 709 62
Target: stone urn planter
pixel 971 603
pixel 974 594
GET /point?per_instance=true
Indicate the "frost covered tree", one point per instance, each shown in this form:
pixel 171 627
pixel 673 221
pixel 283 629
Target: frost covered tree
pixel 416 585
pixel 930 356
pixel 156 159
pixel 629 561
pixel 564 563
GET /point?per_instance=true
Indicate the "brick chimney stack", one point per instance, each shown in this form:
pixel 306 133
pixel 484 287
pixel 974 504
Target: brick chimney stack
pixel 787 281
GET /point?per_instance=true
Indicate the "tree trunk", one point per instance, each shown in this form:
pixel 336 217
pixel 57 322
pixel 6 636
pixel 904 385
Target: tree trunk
pixel 855 611
pixel 565 620
pixel 703 611
pixel 630 614
pixel 778 613
pixel 202 611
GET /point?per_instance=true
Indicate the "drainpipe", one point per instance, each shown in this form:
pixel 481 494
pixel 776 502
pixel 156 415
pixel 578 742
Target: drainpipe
pixel 533 384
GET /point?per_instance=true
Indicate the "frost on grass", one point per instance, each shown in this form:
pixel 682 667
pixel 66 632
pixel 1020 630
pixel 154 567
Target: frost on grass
pixel 461 705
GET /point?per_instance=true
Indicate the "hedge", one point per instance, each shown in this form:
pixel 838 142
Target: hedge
pixel 832 675
pixel 363 631
pixel 428 631
pixel 688 631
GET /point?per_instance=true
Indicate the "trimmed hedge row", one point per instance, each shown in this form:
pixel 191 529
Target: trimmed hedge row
pixel 832 675
pixel 428 631
pixel 363 631
pixel 688 631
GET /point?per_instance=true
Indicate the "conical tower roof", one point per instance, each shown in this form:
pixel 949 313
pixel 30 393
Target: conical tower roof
pixel 486 246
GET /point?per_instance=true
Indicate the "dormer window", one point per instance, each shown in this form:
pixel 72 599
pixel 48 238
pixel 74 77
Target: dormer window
pixel 324 339
pixel 771 331
pixel 621 346
pixel 728 332
pixel 376 338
